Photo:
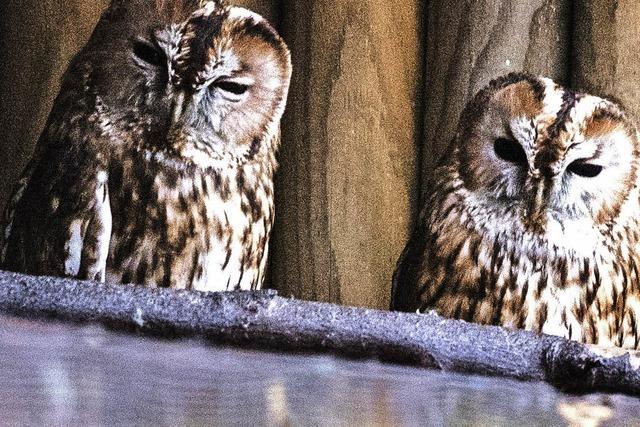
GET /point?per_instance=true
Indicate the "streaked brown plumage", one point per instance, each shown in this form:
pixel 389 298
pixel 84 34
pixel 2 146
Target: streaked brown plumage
pixel 533 218
pixel 156 166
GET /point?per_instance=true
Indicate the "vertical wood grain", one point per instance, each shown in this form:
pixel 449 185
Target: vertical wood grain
pixel 470 42
pixel 37 39
pixel 347 185
pixel 607 50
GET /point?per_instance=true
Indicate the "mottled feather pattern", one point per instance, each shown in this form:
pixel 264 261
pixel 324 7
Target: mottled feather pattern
pixel 218 221
pixel 532 220
pixel 156 166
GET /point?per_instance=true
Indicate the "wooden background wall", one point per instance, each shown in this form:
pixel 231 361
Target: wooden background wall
pixel 376 93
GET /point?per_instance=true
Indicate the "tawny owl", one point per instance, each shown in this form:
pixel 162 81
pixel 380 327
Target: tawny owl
pixel 533 218
pixel 156 165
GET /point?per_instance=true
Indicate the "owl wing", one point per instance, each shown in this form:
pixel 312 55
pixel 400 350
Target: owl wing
pixel 408 273
pixel 409 276
pixel 59 219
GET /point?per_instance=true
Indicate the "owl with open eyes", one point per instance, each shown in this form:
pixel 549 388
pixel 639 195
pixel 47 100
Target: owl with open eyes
pixel 533 218
pixel 156 164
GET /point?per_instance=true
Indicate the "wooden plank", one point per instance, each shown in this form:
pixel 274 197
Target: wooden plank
pixel 471 42
pixel 38 38
pixel 607 50
pixel 347 184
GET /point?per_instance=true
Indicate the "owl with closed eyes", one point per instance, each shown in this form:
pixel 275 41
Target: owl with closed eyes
pixel 533 218
pixel 156 164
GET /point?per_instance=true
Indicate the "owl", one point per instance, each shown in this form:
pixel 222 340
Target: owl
pixel 532 220
pixel 156 164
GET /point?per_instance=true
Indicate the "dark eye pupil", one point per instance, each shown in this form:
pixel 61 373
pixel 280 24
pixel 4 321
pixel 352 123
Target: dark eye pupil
pixel 586 170
pixel 235 88
pixel 147 53
pixel 509 150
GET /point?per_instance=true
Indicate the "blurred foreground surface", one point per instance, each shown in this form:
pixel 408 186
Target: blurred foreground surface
pixel 61 374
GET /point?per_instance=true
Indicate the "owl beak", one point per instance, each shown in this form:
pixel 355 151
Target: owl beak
pixel 177 109
pixel 534 173
pixel 535 217
pixel 538 199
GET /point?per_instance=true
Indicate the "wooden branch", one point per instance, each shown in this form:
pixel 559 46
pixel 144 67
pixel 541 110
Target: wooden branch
pixel 264 320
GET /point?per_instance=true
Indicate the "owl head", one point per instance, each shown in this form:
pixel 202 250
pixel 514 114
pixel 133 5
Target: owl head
pixel 527 145
pixel 190 81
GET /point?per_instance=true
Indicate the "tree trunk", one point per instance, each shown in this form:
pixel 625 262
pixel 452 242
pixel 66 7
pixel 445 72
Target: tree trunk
pixel 38 38
pixel 607 50
pixel 472 42
pixel 347 185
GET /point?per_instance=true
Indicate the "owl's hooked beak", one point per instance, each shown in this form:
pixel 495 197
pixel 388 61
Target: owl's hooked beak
pixel 178 107
pixel 535 217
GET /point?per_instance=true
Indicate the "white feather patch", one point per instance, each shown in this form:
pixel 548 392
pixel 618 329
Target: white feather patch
pixel 73 248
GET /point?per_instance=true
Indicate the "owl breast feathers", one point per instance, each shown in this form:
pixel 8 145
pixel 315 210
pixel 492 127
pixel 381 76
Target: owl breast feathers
pixel 156 165
pixel 532 218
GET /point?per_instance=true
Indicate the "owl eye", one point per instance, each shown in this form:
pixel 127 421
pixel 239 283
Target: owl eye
pixel 231 87
pixel 148 53
pixel 585 170
pixel 509 150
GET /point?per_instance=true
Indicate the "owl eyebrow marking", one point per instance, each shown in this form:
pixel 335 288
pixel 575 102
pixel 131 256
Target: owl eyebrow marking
pixel 596 154
pixel 563 116
pixel 570 147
